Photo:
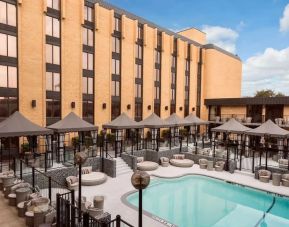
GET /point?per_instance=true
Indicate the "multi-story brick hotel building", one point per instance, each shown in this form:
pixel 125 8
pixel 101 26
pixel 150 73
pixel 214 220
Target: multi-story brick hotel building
pixel 58 56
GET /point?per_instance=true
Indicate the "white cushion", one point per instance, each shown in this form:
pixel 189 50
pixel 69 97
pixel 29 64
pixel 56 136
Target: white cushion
pixel 20 205
pixel 29 214
pixel 12 195
pixel 147 166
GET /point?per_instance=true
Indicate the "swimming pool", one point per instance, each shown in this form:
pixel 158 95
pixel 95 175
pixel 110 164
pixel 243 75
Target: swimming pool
pixel 199 201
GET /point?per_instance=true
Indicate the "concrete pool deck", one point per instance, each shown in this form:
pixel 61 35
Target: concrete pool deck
pixel 115 188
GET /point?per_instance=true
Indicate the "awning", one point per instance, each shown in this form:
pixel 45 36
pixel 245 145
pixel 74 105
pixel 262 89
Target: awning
pixel 268 128
pixel 72 123
pixel 154 121
pixel 17 125
pixel 194 120
pixel 122 122
pixel 175 121
pixel 231 126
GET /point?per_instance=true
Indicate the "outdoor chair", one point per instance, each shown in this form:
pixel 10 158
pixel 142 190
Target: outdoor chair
pixel 219 166
pixel 283 163
pixel 203 163
pixel 94 212
pixel 72 183
pixel 165 162
pixel 264 175
pixel 285 180
pixel 6 174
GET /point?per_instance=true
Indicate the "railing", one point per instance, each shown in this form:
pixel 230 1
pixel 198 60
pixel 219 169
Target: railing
pixel 68 214
pixel 47 186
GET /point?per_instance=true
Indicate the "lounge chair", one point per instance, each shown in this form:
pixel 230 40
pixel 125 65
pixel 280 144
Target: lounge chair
pixel 72 183
pixel 264 175
pixel 283 163
pixel 179 160
pixel 219 166
pixel 90 178
pixel 165 162
pixel 203 163
pixel 285 180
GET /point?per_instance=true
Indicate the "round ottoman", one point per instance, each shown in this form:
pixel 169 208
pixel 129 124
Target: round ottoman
pixel 29 218
pixel 93 178
pixel 22 194
pixel 185 163
pixel 21 209
pixel 147 166
pixel 12 199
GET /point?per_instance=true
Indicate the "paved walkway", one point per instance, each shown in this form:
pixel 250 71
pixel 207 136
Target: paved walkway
pixel 8 214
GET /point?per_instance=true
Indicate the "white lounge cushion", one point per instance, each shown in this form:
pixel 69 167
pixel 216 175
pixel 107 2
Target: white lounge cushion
pixel 29 213
pixel 147 166
pixel 182 162
pixel 12 195
pixel 93 178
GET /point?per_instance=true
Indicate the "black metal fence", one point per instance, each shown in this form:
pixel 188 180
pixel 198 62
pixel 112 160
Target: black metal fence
pixel 69 215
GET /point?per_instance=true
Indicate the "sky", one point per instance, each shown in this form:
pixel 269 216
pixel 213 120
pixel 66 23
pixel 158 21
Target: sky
pixel 256 30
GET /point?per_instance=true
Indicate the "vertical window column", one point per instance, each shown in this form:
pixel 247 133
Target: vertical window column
pixel 53 62
pixel 139 74
pixel 187 82
pixel 8 59
pixel 88 64
pixel 174 78
pixel 116 68
pixel 157 79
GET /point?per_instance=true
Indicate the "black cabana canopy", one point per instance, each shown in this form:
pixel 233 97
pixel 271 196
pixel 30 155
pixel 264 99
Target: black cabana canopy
pixel 175 121
pixel 17 125
pixel 72 123
pixel 232 126
pixel 122 122
pixel 154 121
pixel 194 120
pixel 268 128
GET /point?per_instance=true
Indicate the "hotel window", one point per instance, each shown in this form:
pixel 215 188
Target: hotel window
pixel 8 59
pixel 8 45
pixel 53 4
pixel 88 63
pixel 8 105
pixel 173 78
pixel 87 60
pixel 116 68
pixel 8 76
pixel 53 62
pixel 187 82
pixel 52 81
pixel 52 108
pixel 139 73
pixel 87 37
pixel 8 14
pixel 117 24
pixel 157 75
pixel 52 27
pixel 52 54
pixel 115 88
pixel 87 85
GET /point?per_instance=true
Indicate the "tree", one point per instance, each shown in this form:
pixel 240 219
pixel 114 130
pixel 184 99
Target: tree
pixel 268 93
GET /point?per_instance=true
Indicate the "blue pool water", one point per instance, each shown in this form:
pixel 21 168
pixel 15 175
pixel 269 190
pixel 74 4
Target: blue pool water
pixel 198 201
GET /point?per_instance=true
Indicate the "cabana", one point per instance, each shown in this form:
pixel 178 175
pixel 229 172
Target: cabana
pixel 19 126
pixel 119 124
pixel 154 123
pixel 194 123
pixel 270 130
pixel 73 123
pixel 234 127
pixel 174 121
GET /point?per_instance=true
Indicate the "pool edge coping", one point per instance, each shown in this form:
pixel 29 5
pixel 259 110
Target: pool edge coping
pixel 167 223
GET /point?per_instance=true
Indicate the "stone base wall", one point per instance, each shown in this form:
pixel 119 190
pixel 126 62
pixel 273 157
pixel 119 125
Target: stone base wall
pixel 270 168
pixel 60 174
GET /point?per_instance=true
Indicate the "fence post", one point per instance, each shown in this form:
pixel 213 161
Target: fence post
pixel 49 189
pixel 14 165
pixel 21 169
pixel 118 218
pixel 33 176
pixel 45 162
pixel 58 210
pixel 67 213
pixel 85 219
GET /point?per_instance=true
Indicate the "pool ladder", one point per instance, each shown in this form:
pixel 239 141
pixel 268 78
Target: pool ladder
pixel 268 210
